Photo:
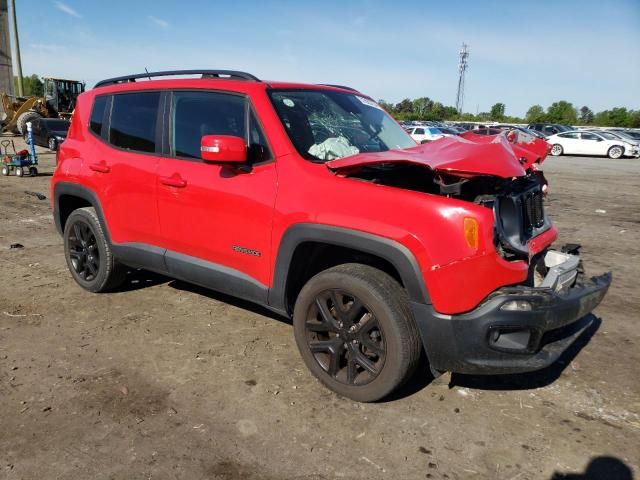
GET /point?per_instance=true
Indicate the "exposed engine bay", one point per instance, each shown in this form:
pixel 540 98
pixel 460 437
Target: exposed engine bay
pixel 492 172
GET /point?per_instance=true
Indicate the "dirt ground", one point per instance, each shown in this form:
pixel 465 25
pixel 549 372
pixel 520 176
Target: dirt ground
pixel 166 380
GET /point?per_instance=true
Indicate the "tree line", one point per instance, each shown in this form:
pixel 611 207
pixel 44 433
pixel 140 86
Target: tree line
pixel 424 108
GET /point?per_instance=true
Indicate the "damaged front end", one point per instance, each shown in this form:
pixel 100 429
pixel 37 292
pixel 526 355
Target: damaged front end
pixel 494 173
pixel 519 326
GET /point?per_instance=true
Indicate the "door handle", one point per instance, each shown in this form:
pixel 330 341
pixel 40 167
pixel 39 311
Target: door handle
pixel 174 181
pixel 101 167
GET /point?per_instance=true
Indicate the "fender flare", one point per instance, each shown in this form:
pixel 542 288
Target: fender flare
pixel 80 191
pixel 394 252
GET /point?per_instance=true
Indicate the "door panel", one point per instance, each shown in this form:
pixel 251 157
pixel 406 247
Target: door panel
pixel 209 211
pixel 130 163
pixel 219 215
pixel 591 144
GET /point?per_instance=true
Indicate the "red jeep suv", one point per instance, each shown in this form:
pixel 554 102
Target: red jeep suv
pixel 314 202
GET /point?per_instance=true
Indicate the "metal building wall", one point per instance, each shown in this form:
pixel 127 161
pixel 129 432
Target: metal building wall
pixel 6 72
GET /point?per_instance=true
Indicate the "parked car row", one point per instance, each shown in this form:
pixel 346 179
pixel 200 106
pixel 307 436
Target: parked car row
pixel 593 142
pixel 564 139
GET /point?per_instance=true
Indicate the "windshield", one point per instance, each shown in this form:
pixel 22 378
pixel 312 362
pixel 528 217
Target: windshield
pixel 324 125
pixel 634 135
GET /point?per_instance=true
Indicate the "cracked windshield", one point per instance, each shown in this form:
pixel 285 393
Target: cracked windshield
pixel 325 125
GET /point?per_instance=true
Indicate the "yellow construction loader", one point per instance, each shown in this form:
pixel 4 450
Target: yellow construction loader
pixel 58 101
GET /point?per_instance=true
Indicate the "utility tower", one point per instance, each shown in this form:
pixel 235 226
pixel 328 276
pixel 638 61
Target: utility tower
pixel 462 68
pixel 6 72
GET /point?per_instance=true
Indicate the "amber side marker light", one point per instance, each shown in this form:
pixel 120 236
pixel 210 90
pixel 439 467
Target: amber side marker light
pixel 471 232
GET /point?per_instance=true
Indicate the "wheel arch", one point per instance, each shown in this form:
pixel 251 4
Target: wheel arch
pixel 68 197
pixel 382 252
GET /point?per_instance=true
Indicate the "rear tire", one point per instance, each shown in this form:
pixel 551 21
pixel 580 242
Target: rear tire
pixel 5 171
pixel 88 253
pixel 52 144
pixel 557 150
pixel 19 172
pixel 28 116
pixel 615 152
pixel 355 331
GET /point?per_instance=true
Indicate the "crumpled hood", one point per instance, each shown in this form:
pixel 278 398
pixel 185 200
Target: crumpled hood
pixel 480 155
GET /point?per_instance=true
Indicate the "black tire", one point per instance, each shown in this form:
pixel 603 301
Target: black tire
pixel 52 143
pixel 28 116
pixel 557 150
pixel 615 152
pixel 33 171
pixel 390 350
pixel 84 240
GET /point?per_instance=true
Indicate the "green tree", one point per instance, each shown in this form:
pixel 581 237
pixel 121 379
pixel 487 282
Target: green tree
pixel 386 106
pixel 422 105
pixel 586 115
pixel 405 106
pixel 497 111
pixel 32 85
pixel 535 114
pixel 562 112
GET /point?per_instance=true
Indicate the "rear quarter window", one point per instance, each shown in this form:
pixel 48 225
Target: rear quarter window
pixel 97 114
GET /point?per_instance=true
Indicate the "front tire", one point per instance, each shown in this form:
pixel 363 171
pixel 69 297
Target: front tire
pixel 52 144
pixel 615 152
pixel 355 331
pixel 19 172
pixel 28 116
pixel 88 253
pixel 5 170
pixel 556 150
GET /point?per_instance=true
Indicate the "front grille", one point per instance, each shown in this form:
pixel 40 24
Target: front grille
pixel 520 216
pixel 533 211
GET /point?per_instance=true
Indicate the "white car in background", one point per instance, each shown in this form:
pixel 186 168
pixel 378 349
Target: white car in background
pixel 590 143
pixel 423 134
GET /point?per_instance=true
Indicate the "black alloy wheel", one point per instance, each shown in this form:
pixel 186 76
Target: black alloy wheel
pixel 345 337
pixel 88 253
pixel 355 331
pixel 83 251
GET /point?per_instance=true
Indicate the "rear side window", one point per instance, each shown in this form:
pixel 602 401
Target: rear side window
pixel 589 136
pixel 569 135
pixel 97 114
pixel 133 121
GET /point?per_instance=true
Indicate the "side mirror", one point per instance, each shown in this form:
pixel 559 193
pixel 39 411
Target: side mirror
pixel 223 149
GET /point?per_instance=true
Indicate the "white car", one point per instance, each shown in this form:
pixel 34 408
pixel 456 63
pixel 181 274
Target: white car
pixel 590 143
pixel 423 134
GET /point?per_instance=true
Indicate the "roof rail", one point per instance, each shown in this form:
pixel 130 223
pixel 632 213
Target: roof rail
pixel 230 74
pixel 339 86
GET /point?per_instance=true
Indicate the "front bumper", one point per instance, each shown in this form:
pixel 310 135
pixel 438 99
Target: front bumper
pixel 516 329
pixel 632 151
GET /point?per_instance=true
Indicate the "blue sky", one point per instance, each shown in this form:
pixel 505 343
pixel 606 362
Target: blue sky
pixel 522 52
